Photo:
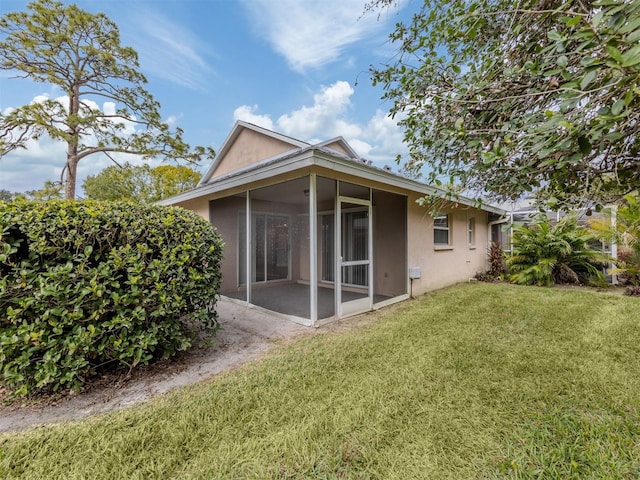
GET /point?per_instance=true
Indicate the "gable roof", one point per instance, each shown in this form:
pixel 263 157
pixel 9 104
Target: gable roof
pixel 236 131
pixel 341 146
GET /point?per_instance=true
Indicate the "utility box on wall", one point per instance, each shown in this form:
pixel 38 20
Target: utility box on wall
pixel 415 273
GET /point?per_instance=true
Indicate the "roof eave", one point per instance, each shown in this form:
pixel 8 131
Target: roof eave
pixel 313 157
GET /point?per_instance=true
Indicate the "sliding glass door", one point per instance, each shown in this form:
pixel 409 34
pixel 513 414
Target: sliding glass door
pixel 270 255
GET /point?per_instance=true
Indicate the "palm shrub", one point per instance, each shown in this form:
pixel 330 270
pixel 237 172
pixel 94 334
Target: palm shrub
pixel 544 253
pixel 626 234
pixel 84 285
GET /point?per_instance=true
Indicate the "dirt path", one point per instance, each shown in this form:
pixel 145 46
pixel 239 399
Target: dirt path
pixel 245 335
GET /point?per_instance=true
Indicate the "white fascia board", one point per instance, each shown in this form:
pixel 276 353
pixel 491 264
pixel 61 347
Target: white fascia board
pixel 374 174
pixel 311 157
pixel 245 177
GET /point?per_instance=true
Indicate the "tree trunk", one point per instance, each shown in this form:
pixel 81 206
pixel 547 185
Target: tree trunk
pixel 72 143
pixel 70 178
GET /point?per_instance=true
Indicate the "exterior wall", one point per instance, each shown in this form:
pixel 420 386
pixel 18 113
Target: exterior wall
pixel 224 216
pixel 389 244
pixel 444 266
pixel 197 205
pixel 250 147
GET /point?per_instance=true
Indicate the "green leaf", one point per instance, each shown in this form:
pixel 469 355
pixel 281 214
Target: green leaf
pixel 617 107
pixel 562 61
pixel 588 79
pixel 554 35
pixel 614 53
pixel 597 18
pixel 573 21
pixel 631 25
pixel 613 136
pixel 547 162
pixel 631 57
pixel 584 145
pixel 634 37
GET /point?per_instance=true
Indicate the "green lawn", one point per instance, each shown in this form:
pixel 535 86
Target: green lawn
pixel 475 381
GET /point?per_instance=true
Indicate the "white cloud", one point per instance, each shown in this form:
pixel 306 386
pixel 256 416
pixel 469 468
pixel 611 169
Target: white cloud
pixel 323 116
pixel 246 114
pixel 172 120
pixel 379 139
pixel 170 51
pixel 388 138
pixel 309 33
pixel 39 99
pixel 361 147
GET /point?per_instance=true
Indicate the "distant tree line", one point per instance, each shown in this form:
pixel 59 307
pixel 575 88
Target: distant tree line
pixel 137 183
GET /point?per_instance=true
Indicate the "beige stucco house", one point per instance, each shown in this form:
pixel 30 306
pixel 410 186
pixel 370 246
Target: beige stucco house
pixel 315 233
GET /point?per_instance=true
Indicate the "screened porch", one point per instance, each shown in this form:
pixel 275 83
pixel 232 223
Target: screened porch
pixel 350 259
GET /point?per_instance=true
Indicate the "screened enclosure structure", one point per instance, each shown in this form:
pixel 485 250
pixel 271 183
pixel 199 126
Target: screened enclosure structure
pixel 313 270
pixel 313 232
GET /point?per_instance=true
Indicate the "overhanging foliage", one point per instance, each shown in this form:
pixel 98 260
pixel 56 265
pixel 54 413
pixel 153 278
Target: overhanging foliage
pixel 507 98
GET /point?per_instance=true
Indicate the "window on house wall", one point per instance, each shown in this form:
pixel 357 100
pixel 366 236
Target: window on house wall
pixel 471 231
pixel 441 230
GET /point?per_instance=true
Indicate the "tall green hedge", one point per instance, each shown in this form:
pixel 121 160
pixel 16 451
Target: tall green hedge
pixel 84 285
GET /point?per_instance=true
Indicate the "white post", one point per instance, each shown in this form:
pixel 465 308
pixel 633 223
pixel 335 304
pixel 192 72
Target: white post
pixel 337 274
pixel 248 246
pixel 370 254
pixel 313 249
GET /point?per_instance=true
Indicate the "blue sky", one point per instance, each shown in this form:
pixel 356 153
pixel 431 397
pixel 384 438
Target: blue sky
pixel 299 67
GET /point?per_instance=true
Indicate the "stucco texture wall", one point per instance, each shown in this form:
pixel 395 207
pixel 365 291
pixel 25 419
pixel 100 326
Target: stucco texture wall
pixel 250 147
pixel 444 266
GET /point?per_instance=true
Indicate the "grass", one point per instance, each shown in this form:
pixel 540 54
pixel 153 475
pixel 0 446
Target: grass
pixel 476 381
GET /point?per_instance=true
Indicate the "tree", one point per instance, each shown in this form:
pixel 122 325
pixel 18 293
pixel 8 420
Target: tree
pixel 50 191
pixel 5 195
pixel 140 183
pixel 509 97
pixel 80 53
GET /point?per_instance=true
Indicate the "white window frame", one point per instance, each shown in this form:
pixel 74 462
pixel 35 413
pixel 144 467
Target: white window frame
pixel 471 232
pixel 443 229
